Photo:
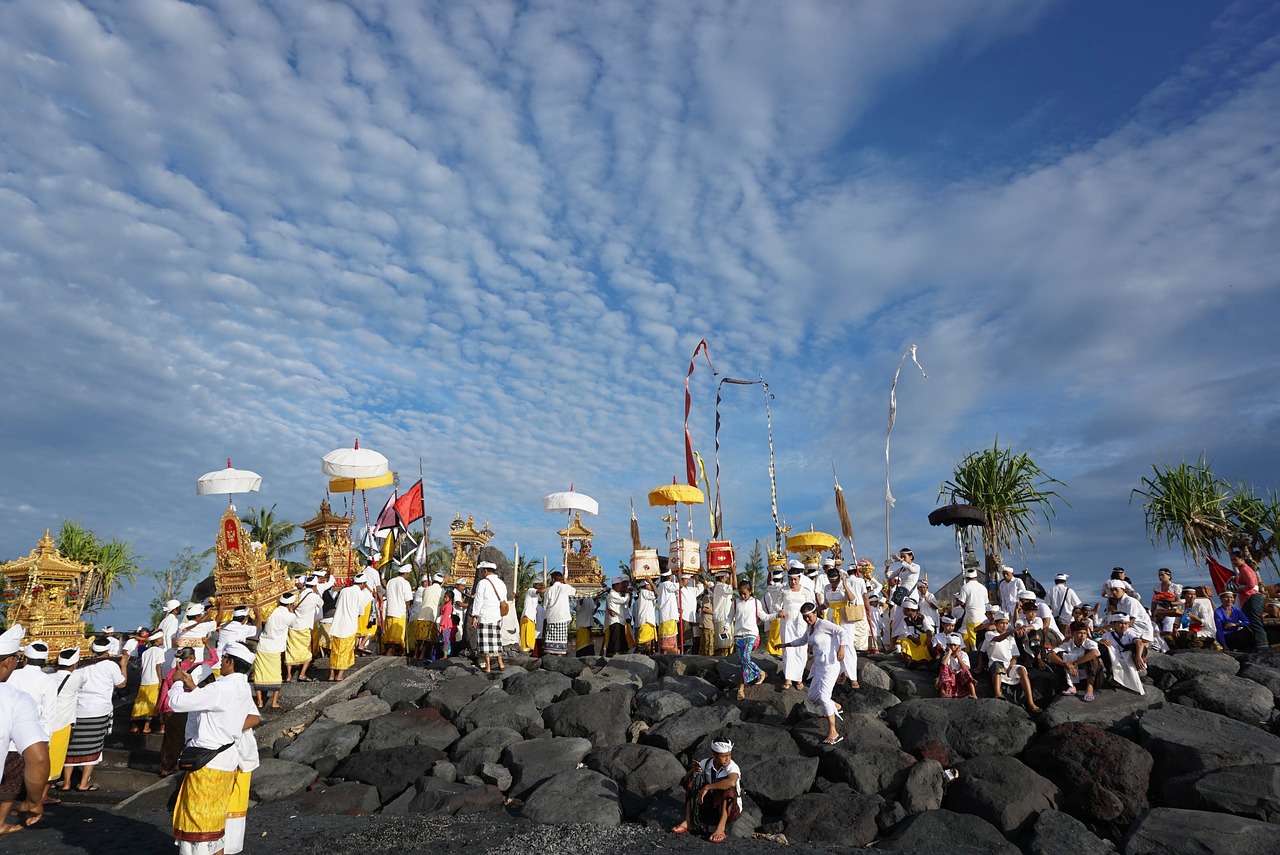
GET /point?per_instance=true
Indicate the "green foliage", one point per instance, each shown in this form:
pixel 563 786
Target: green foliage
pixel 114 561
pixel 756 568
pixel 527 571
pixel 277 536
pixel 183 571
pixel 1012 490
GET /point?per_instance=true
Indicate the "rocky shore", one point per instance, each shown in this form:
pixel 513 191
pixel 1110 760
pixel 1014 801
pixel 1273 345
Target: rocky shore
pixel 562 755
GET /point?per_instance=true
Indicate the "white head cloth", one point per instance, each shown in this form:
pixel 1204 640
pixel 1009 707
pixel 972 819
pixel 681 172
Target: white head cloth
pixel 11 640
pixel 722 746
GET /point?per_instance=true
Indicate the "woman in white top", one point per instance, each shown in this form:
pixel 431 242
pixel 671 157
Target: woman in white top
pixel 828 652
pixel 745 616
pixel 794 595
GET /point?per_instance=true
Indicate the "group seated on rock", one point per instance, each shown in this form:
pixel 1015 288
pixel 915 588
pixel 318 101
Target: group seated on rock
pixel 713 794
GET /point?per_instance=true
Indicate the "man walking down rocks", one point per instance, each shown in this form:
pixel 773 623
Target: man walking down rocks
pixel 486 616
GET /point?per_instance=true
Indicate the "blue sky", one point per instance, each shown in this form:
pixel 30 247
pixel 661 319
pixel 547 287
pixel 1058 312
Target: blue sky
pixel 489 235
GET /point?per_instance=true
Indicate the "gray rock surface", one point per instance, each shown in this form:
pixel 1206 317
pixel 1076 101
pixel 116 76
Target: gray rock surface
pixel 1183 740
pixel 603 718
pixel 495 708
pixel 275 780
pixel 944 832
pixel 357 709
pixel 1113 709
pixel 402 683
pixel 542 687
pixel 348 797
pixel 1171 831
pixel 642 666
pixel 1056 833
pixel 859 730
pixel 696 690
pixel 924 787
pixel 497 775
pixel 1263 676
pixel 451 696
pixel 480 746
pixel 653 705
pixel 967 727
pixel 909 684
pixel 575 796
pixel 591 682
pixel 441 798
pixel 868 701
pixel 835 819
pixel 640 769
pixel 1251 791
pixel 323 738
pixel 682 731
pixel 867 768
pixel 1185 664
pixel 538 760
pixel 1235 697
pixel 409 727
pixel 1003 791
pixel 570 666
pixel 872 676
pixel 391 770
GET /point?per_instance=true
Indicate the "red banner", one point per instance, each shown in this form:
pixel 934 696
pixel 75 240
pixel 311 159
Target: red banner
pixel 409 506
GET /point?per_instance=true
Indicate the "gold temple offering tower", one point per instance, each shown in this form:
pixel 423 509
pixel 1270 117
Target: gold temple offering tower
pixel 328 538
pixel 467 542
pixel 45 592
pixel 581 568
pixel 243 575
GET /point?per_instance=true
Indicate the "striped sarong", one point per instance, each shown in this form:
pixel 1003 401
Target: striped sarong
pixel 298 649
pixel 555 639
pixel 489 639
pixel 200 814
pixel 88 735
pixel 267 675
pixel 342 653
pixel 144 705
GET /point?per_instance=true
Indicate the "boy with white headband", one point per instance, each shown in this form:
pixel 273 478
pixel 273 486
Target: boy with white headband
pixel 713 793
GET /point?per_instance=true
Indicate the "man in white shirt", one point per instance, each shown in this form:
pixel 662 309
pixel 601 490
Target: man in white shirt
pixel 426 634
pixel 297 654
pixel 67 680
pixel 1129 605
pixel 1080 660
pixel 486 615
pixel 1001 649
pixel 644 616
pixel 346 614
pixel 615 617
pixel 1061 601
pixel 1009 588
pixel 973 596
pixel 113 641
pixel 529 616
pixel 1196 628
pixel 690 590
pixel 399 595
pixel 586 645
pixel 721 600
pixel 668 591
pixel 21 728
pixel 273 639
pixel 906 574
pixel 169 624
pixel 146 703
pixel 238 629
pixel 557 603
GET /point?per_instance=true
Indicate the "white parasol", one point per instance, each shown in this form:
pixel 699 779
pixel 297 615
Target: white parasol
pixel 570 501
pixel 354 462
pixel 227 482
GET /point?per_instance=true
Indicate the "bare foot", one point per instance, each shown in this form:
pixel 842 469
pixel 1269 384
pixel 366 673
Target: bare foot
pixel 742 695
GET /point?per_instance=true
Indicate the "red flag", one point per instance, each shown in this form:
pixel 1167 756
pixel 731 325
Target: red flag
pixel 387 516
pixel 409 506
pixel 1219 574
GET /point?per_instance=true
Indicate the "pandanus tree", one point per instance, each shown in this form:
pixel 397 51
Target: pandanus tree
pixel 114 562
pixel 1014 493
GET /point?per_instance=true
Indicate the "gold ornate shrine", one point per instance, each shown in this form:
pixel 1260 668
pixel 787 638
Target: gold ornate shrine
pixel 328 538
pixel 466 549
pixel 45 593
pixel 581 568
pixel 243 575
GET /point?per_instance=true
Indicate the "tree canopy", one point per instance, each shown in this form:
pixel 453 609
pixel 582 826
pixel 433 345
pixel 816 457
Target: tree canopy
pixel 114 561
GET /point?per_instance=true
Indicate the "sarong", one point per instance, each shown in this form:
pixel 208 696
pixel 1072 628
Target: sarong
pixel 320 639
pixel 528 634
pixel 393 631
pixel 298 651
pixel 648 634
pixel 822 683
pixel 88 735
pixel 200 815
pixel 722 640
pixel 774 645
pixel 425 632
pixel 489 639
pixel 706 816
pixel 917 650
pixel 954 684
pixel 342 653
pixel 267 675
pixel 237 809
pixel 144 705
pixel 970 635
pixel 750 670
pixel 668 639
pixel 11 779
pixel 861 631
pixel 555 641
pixel 362 625
pixel 705 644
pixel 585 645
pixel 58 751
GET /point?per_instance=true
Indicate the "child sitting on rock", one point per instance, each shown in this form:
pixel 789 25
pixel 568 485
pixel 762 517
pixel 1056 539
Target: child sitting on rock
pixel 1001 649
pixel 955 680
pixel 712 795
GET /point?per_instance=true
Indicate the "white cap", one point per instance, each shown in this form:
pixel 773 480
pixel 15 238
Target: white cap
pixel 948 619
pixel 486 565
pixel 873 598
pixel 172 604
pixel 992 608
pixel 403 568
pixel 1116 584
pixel 108 629
pixel 971 574
pixel 195 610
pixel 239 651
pixel 1118 616
pixel 69 656
pixel 100 647
pixel 36 650
pixel 240 611
pixel 287 598
pixel 200 673
pixel 11 640
pixel 1005 568
pixel 911 603
pixel 999 614
pixel 1027 595
pixel 439 577
pixel 828 562
pixel 955 638
pixel 795 563
pixel 1061 577
pixel 722 746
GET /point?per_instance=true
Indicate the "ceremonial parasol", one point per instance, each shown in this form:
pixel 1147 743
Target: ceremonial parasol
pixel 350 485
pixel 670 495
pixel 811 539
pixel 567 502
pixel 227 482
pixel 354 462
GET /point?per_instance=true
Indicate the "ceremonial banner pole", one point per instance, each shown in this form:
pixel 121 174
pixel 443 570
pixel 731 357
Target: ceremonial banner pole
pixel 893 416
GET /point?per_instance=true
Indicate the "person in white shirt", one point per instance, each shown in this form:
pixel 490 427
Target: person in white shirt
pixel 67 681
pixel 915 640
pixel 1001 648
pixel 690 590
pixel 644 616
pixel 585 619
pixel 557 602
pixel 347 613
pixel 22 731
pixel 844 603
pixel 427 631
pixel 973 596
pixel 713 788
pixel 1036 615
pixel 1196 628
pixel 146 705
pixel 828 652
pixel 905 575
pixel 746 613
pixel 399 595
pixel 1129 605
pixel 789 608
pixel 955 676
pixel 1062 601
pixel 297 653
pixel 41 686
pixel 99 679
pixel 273 639
pixel 928 602
pixel 238 629
pixel 169 624
pixel 113 641
pixel 669 611
pixel 1009 588
pixel 773 600
pixel 1124 644
pixel 486 615
pixel 615 605
pixel 721 601
pixel 1080 661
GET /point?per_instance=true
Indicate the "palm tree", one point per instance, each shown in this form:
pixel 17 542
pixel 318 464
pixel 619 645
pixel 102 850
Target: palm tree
pixel 114 561
pixel 1012 491
pixel 526 573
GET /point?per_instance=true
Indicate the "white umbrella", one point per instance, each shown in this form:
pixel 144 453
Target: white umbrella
pixel 225 482
pixel 570 501
pixel 354 462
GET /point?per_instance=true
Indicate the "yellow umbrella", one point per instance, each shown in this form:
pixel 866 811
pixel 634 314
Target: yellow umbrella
pixel 675 494
pixel 349 485
pixel 810 540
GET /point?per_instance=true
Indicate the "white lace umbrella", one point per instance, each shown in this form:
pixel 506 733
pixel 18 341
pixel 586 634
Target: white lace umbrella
pixel 354 462
pixel 570 501
pixel 227 482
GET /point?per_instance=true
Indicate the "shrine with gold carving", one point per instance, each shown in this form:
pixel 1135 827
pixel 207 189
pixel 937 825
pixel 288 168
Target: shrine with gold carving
pixel 243 574
pixel 581 568
pixel 328 539
pixel 467 542
pixel 45 592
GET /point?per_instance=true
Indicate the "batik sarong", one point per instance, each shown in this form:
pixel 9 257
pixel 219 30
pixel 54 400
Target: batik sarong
pixel 751 672
pixel 200 814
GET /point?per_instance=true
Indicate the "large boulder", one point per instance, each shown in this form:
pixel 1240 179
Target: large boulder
pixel 751 741
pixel 1263 676
pixel 868 701
pixel 576 796
pixel 680 732
pixel 480 746
pixel 1169 668
pixel 909 684
pixel 1172 831
pixel 570 666
pixel 1251 791
pixel 401 683
pixel 323 738
pixel 495 708
pixel 944 832
pixel 542 687
pixel 391 770
pixel 1235 697
pixel 603 718
pixel 967 727
pixel 349 798
pixel 842 820
pixel 642 666
pixel 445 798
pixel 639 769
pixel 1003 791
pixel 1183 740
pixel 606 679
pixel 857 730
pixel 1056 833
pixel 275 780
pixel 1112 709
pixel 696 690
pixel 923 788
pixel 1091 765
pixel 653 705
pixel 452 696
pixel 357 709
pixel 872 676
pixel 409 727
pixel 538 760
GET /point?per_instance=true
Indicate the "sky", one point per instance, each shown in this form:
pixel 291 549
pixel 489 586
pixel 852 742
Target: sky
pixel 489 235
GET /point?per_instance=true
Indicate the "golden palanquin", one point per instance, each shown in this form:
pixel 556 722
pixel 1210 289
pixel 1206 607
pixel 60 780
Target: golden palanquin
pixel 243 575
pixel 328 538
pixel 45 593
pixel 467 542
pixel 581 568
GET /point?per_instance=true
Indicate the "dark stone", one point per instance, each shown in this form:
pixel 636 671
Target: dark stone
pixel 357 710
pixel 1097 771
pixel 665 810
pixel 542 687
pixel 678 733
pixel 1113 709
pixel 497 775
pixel 391 770
pixel 655 705
pixel 607 679
pixel 872 676
pixel 751 742
pixel 399 806
pixel 868 701
pixel 1235 697
pixel 688 666
pixel 274 780
pixel 349 798
pixel 480 746
pixel 603 718
pixel 775 781
pixel 401 683
pixel 1183 740
pixel 640 769
pixel 748 822
pixel 696 690
pixel 869 768
pixel 1056 833
pixel 967 727
pixel 642 666
pixel 444 770
pixel 910 684
pixel 1003 791
pixel 573 797
pixel 570 666
pixel 860 730
pixel 401 706
pixel 442 798
pixel 835 819
pixel 923 788
pixel 889 817
pixel 1251 791
pixel 322 738
pixel 409 727
pixel 536 761
pixel 452 696
pixel 325 765
pixel 1171 831
pixel 944 832
pixel 1185 664
pixel 496 708
pixel 1264 676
